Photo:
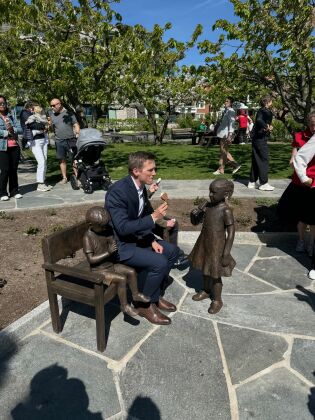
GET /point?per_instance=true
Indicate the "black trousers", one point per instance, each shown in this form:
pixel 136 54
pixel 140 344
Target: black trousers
pixel 260 160
pixel 9 161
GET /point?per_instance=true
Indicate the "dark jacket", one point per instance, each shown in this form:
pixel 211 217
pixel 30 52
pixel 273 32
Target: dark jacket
pixel 263 119
pixel 122 202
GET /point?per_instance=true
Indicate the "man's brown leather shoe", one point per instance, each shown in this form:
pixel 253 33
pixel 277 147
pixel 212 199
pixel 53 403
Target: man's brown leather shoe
pixel 153 315
pixel 165 305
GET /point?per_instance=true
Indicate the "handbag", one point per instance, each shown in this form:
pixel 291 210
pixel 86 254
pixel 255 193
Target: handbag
pixel 3 145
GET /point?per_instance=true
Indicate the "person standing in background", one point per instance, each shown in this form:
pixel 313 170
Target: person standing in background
pixel 9 153
pixel 225 132
pixel 260 151
pixel 67 130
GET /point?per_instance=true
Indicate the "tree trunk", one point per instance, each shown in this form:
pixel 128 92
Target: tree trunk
pixel 152 121
pixel 163 131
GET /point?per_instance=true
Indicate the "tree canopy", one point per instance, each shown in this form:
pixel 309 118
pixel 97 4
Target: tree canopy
pixel 274 53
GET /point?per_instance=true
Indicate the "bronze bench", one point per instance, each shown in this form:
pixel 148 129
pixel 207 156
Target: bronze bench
pixel 75 283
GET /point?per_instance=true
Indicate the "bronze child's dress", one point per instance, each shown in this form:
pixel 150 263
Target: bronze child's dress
pixel 208 250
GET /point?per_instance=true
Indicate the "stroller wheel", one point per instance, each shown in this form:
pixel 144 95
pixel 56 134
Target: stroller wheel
pixel 74 182
pixel 106 183
pixel 87 187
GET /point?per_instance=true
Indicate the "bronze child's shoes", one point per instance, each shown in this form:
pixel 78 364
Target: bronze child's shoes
pixel 201 295
pixel 127 309
pixel 140 297
pixel 215 307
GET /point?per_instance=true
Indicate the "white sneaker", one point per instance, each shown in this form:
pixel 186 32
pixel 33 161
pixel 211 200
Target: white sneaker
pixel 18 196
pixel 218 172
pixel 251 185
pixel 4 198
pixel 300 246
pixel 238 167
pixel 311 275
pixel 43 187
pixel 266 187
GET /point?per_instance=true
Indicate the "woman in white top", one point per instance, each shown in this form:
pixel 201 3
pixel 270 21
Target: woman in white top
pixel 225 132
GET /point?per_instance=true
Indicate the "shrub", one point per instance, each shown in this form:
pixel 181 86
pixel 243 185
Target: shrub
pixel 5 216
pixel 32 230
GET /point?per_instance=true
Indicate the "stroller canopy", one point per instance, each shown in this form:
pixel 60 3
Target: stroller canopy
pixel 90 137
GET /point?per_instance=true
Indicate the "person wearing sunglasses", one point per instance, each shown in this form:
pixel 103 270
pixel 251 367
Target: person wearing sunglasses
pixel 67 130
pixel 9 153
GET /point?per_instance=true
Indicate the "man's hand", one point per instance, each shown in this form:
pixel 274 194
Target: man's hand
pixel 160 212
pixel 171 223
pixel 157 247
pixel 309 182
pixel 153 188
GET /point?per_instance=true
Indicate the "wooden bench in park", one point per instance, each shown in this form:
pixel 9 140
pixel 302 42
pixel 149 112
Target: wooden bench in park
pixel 183 133
pixel 75 283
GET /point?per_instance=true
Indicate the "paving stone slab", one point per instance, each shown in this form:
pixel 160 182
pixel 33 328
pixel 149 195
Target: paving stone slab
pixel 238 283
pixel 285 273
pixel 279 312
pixel 49 380
pixel 303 358
pixel 248 352
pixel 243 254
pixel 277 395
pixel 177 374
pixel 31 202
pixel 122 332
pixel 280 250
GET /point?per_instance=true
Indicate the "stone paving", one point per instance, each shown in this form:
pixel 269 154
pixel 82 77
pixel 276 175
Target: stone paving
pixel 64 195
pixel 255 359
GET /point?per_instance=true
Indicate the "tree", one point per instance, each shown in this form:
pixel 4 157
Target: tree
pixel 274 53
pixel 151 76
pixel 61 48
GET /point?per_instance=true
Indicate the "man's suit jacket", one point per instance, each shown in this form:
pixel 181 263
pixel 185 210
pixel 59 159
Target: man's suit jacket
pixel 122 203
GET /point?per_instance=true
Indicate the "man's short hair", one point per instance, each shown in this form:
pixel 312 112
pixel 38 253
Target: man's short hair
pixel 137 159
pixel 265 100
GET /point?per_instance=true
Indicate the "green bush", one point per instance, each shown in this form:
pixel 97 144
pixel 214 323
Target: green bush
pixel 280 132
pixel 187 121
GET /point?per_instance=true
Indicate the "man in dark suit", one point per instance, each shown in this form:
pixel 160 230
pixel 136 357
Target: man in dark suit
pixel 133 220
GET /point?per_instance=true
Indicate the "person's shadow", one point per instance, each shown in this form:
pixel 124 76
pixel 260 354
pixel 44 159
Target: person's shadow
pixel 55 396
pixel 311 400
pixel 143 408
pixel 8 348
pixel 306 296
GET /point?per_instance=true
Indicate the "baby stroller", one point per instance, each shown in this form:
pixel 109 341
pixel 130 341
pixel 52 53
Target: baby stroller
pixel 91 171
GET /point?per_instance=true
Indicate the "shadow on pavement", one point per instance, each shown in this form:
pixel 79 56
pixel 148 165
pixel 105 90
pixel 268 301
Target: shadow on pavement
pixel 306 296
pixel 55 396
pixel 311 400
pixel 8 347
pixel 143 408
pixel 111 311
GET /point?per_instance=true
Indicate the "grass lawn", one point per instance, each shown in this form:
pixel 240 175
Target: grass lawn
pixel 181 161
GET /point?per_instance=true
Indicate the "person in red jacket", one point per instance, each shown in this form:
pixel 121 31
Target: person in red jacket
pixel 294 204
pixel 243 121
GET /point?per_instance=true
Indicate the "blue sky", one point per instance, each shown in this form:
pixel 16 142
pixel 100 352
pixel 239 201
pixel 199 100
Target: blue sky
pixel 183 14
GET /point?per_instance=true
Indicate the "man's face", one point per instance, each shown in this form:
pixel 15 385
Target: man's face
pixel 146 174
pixel 227 103
pixel 56 106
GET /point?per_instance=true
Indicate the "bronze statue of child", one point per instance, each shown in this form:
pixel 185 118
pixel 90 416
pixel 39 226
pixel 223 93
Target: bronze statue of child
pixel 100 249
pixel 212 251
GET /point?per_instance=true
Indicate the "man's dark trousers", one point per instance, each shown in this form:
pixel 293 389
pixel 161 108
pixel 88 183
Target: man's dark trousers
pixel 157 265
pixel 260 161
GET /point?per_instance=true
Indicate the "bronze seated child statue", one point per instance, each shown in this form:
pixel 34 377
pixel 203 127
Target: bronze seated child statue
pixel 100 249
pixel 212 251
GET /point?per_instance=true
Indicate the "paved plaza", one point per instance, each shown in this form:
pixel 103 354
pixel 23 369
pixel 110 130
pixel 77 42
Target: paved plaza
pixel 253 360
